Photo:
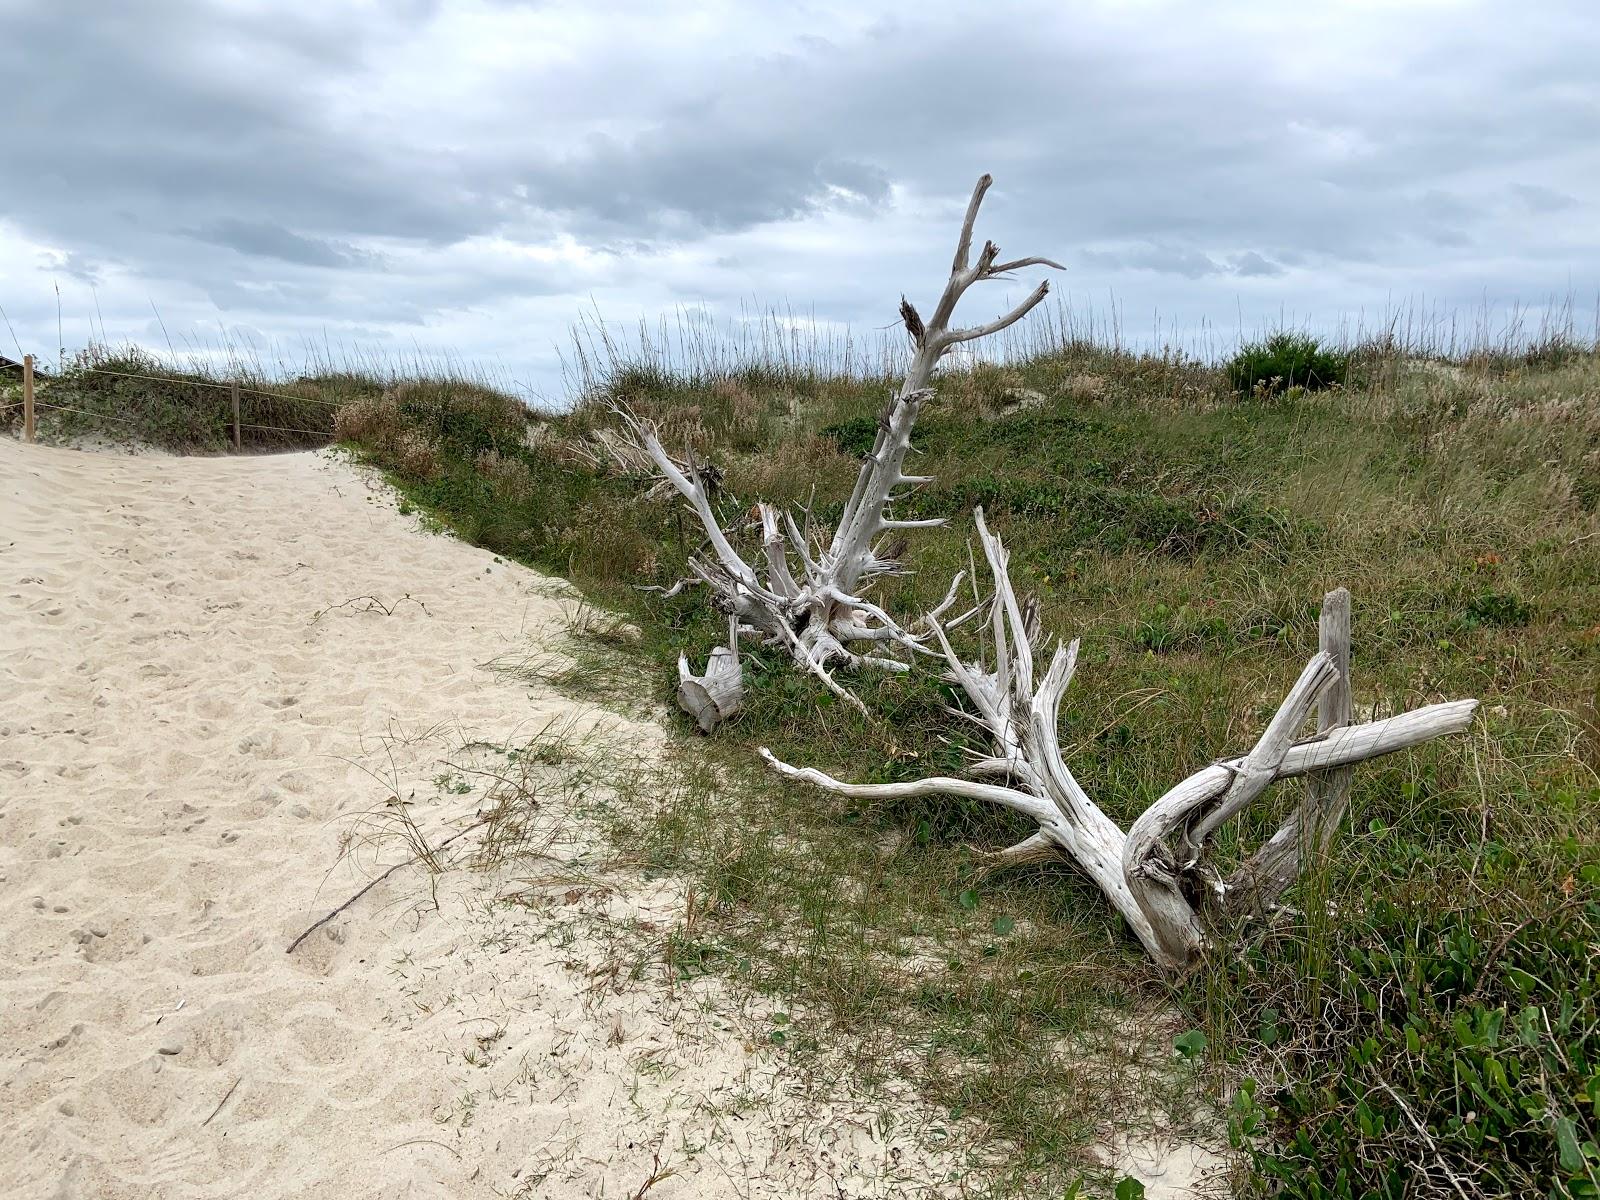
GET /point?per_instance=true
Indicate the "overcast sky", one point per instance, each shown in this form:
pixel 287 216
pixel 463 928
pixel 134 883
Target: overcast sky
pixel 469 175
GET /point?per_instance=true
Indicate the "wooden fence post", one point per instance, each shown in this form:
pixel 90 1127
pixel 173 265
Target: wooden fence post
pixel 235 389
pixel 27 397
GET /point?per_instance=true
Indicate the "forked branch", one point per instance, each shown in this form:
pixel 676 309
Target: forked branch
pixel 809 595
pixel 1158 875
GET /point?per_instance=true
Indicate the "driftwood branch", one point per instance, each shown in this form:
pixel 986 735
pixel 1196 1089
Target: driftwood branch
pixel 1257 885
pixel 807 594
pixel 1158 874
pixel 375 882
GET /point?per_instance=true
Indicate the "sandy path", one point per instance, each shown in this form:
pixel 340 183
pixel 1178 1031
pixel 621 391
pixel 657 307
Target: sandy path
pixel 178 740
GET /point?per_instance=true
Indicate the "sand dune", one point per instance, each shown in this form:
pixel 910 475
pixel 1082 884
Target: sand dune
pixel 183 740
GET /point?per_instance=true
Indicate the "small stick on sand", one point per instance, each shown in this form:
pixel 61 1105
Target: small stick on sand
pixel 374 604
pixel 377 881
pixel 223 1101
pixel 657 1174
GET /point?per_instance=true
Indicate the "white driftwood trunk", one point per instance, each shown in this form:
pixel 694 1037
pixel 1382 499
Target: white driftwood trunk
pixel 718 694
pixel 1157 874
pixel 807 593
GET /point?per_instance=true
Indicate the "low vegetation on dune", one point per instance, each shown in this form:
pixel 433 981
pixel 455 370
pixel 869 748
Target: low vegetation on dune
pixel 1426 1024
pixel 128 394
pixel 1423 1021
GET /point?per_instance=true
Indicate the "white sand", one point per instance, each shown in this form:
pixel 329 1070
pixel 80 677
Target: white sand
pixel 178 750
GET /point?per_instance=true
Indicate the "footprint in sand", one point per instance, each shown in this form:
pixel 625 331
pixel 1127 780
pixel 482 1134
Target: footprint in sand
pixel 213 708
pixel 321 1040
pixel 134 1092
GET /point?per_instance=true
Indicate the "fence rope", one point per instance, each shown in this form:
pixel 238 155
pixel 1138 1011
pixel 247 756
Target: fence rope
pixel 130 421
pixel 327 433
pixel 85 412
pixel 226 387
pixel 208 383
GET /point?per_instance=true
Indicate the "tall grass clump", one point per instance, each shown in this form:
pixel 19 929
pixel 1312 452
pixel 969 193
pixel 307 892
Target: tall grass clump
pixel 185 405
pixel 1286 360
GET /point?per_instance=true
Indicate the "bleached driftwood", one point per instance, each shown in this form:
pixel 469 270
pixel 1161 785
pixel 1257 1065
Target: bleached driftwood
pixel 807 592
pixel 718 694
pixel 1157 875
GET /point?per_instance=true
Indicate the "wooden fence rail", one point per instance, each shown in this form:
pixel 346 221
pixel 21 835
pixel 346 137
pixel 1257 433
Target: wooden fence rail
pixel 235 389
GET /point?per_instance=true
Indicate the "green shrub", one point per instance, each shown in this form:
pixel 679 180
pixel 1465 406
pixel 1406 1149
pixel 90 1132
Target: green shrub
pixel 1283 361
pixel 855 436
pixel 464 417
pixel 1466 1045
pixel 1497 608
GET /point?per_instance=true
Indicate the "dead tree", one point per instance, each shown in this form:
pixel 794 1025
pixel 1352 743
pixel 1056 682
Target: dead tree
pixel 807 594
pixel 1158 875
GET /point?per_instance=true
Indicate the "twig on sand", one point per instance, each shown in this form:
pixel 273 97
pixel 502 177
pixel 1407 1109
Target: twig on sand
pixel 657 1174
pixel 164 1016
pixel 423 1142
pixel 380 879
pixel 223 1101
pixel 373 605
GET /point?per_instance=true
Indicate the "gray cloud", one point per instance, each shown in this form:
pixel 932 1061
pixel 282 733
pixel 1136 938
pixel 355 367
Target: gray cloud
pixel 1166 260
pixel 1255 266
pixel 689 180
pixel 265 240
pixel 479 173
pixel 72 265
pixel 1543 199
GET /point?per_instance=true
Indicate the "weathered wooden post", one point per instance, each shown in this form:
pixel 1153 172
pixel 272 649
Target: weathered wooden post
pixel 234 388
pixel 27 397
pixel 1309 830
pixel 1329 791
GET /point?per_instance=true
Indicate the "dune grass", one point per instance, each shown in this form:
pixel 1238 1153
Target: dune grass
pixel 185 405
pixel 126 394
pixel 1427 1024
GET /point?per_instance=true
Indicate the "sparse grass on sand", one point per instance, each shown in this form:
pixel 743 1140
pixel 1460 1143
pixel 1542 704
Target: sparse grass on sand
pixel 1426 1026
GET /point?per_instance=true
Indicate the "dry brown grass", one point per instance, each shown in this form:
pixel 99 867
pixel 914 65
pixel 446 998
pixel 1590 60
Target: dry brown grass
pixel 417 456
pixel 370 421
pixel 510 476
